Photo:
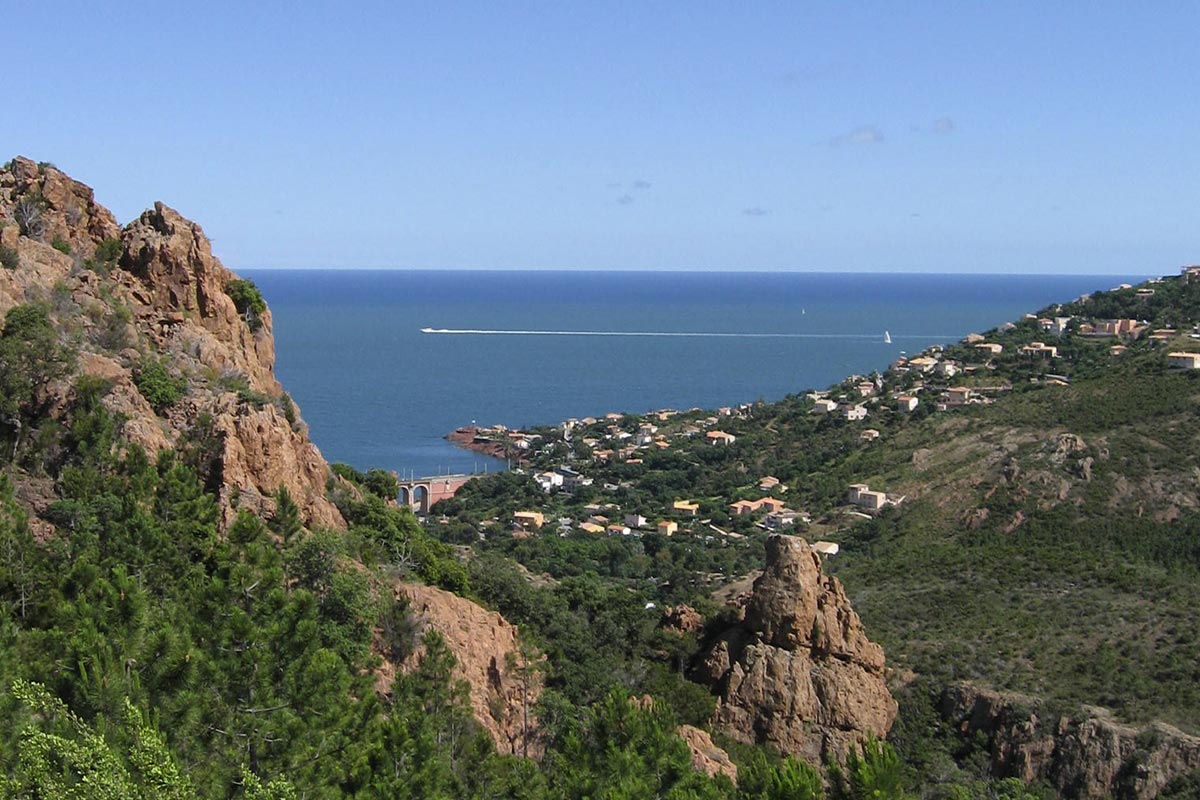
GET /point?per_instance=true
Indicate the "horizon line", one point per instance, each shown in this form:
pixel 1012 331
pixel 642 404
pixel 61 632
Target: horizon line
pixel 689 271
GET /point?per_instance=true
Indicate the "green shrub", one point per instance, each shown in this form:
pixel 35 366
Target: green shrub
pixel 239 384
pixel 248 300
pixel 878 773
pixel 62 246
pixel 382 483
pixel 289 409
pixel 108 251
pixel 9 258
pixel 160 388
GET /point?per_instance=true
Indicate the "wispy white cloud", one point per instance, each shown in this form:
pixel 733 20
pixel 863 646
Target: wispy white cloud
pixel 864 134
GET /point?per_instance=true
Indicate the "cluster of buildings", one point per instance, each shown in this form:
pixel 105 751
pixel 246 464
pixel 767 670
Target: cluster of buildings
pixel 931 377
pixel 602 518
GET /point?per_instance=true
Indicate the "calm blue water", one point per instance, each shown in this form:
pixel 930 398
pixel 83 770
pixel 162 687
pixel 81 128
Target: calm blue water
pixel 377 392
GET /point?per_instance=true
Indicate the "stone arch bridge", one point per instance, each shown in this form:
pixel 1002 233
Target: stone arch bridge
pixel 422 494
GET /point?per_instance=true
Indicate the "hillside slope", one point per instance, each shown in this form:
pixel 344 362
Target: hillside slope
pixel 1019 510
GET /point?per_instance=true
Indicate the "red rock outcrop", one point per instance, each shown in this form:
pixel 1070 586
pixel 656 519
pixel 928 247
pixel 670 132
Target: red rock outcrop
pixel 165 297
pixel 706 756
pixel 66 210
pixel 178 280
pixel 503 690
pixel 682 619
pixel 798 671
pixel 1087 756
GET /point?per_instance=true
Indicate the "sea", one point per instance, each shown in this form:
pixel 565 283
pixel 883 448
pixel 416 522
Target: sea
pixel 384 363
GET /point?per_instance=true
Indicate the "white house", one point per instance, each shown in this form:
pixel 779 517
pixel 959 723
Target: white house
pixel 549 480
pixel 854 413
pixel 824 406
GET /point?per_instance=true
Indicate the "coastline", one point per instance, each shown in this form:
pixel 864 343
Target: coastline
pixel 478 440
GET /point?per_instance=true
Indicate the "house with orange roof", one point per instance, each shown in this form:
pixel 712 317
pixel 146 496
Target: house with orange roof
pixel 529 519
pixel 720 438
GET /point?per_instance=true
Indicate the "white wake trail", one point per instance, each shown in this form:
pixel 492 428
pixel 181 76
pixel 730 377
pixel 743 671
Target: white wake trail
pixel 704 334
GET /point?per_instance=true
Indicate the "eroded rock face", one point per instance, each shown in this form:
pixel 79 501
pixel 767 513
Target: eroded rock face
pixel 177 280
pixel 166 298
pixel 706 756
pixel 798 671
pixel 66 209
pixel 502 691
pixel 1090 756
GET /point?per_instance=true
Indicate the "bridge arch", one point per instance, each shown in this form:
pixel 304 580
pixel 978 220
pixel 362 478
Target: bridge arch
pixel 422 494
pixel 420 498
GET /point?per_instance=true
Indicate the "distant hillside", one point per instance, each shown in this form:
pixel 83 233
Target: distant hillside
pixel 1039 529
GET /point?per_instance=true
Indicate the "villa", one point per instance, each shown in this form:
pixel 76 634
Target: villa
pixel 824 406
pixel 862 496
pixel 854 413
pixel 1184 360
pixel 529 519
pixel 686 507
pixel 958 396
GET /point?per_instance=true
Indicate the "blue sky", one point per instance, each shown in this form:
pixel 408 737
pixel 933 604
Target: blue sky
pixel 997 137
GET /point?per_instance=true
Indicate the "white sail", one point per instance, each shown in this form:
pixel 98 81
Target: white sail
pixel 887 338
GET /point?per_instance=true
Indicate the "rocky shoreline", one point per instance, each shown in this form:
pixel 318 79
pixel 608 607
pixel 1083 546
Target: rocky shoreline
pixel 485 442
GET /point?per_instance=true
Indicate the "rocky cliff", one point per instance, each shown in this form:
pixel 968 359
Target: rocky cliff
pixel 503 687
pixel 797 671
pixel 152 291
pixel 1086 756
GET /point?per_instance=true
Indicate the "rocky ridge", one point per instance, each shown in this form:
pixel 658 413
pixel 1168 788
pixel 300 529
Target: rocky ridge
pixel 154 290
pixel 1086 756
pixel 797 670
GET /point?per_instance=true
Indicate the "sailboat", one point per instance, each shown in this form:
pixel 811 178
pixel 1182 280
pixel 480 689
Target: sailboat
pixel 887 338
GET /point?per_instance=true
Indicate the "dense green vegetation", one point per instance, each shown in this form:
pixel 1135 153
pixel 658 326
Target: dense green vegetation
pixel 149 654
pixel 248 300
pixel 161 389
pixel 9 257
pixel 1049 543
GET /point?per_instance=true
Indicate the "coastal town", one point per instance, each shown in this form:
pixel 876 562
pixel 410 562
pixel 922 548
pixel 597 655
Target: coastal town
pixel 603 476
